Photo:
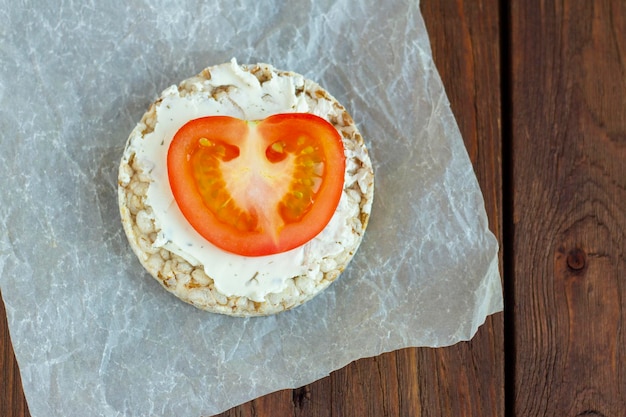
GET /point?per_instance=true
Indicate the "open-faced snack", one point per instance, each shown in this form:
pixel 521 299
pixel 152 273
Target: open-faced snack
pixel 245 190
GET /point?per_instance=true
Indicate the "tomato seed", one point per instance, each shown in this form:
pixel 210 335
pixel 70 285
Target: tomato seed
pixel 205 142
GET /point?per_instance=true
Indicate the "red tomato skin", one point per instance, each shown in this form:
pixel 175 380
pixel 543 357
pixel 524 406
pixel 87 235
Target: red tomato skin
pixel 235 131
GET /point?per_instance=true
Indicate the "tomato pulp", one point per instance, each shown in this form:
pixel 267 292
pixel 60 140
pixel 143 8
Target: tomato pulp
pixel 261 187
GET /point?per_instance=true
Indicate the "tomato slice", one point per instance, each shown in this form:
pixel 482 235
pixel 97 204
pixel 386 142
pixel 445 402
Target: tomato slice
pixel 257 188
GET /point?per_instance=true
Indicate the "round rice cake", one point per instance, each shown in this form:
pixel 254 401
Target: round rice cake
pixel 249 92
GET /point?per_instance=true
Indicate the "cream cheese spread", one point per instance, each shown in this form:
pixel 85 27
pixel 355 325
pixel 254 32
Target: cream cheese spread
pixel 239 94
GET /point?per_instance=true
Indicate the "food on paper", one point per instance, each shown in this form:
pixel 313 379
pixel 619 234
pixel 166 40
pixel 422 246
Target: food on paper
pixel 245 190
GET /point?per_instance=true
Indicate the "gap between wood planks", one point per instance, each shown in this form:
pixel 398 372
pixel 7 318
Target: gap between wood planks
pixel 508 269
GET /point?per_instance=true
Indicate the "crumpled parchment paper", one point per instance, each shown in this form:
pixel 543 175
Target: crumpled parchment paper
pixel 92 332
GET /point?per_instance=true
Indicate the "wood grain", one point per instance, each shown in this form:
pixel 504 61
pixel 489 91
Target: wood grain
pixel 468 379
pixel 568 106
pixel 12 400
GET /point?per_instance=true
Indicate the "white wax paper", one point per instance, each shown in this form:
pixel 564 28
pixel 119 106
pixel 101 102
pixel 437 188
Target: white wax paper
pixel 93 333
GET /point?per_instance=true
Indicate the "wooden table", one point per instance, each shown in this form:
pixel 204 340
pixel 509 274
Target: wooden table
pixel 539 92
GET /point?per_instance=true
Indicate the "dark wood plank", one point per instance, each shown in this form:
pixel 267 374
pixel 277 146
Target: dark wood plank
pixel 368 387
pixel 468 379
pixel 569 147
pixel 12 400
